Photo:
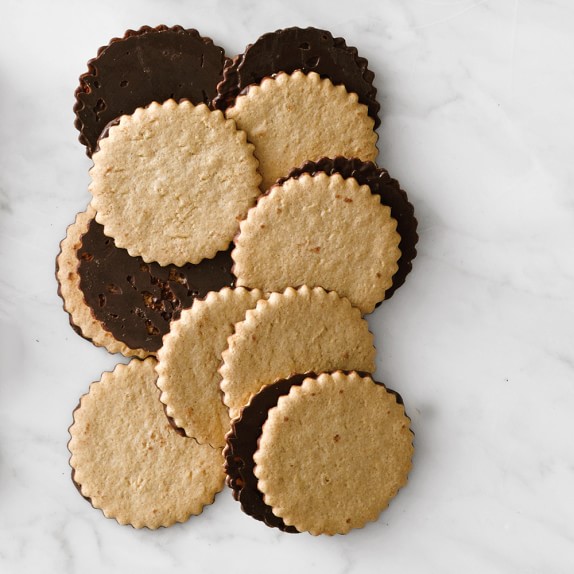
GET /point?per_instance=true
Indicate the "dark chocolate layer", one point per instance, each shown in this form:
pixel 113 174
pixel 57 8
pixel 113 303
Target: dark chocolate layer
pixel 242 443
pixel 147 65
pixel 391 194
pixel 136 301
pixel 305 49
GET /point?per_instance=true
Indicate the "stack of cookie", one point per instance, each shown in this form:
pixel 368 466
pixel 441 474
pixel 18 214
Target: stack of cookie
pixel 238 233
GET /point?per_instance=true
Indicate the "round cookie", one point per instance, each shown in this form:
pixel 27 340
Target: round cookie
pixel 171 182
pixel 297 331
pixel 136 301
pixel 82 319
pixel 242 441
pixel 333 453
pixel 321 231
pixel 147 65
pixel 189 359
pixel 391 194
pixel 305 49
pixel 294 118
pixel 127 459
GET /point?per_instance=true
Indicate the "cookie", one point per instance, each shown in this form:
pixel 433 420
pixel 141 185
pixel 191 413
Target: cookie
pixel 172 181
pixel 305 49
pixel 391 194
pixel 136 301
pixel 320 231
pixel 81 317
pixel 129 462
pixel 333 453
pixel 147 65
pixel 299 117
pixel 189 359
pixel 293 332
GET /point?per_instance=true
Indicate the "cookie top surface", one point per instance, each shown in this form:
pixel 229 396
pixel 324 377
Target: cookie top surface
pixel 391 194
pixel 147 65
pixel 190 357
pixel 305 49
pixel 298 117
pixel 128 460
pixel 171 182
pixel 320 231
pixel 333 453
pixel 81 317
pixel 135 301
pixel 296 331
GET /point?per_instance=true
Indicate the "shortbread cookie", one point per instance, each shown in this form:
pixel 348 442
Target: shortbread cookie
pixel 333 453
pixel 305 49
pixel 172 181
pixel 299 117
pixel 129 462
pixel 242 443
pixel 82 319
pixel 293 332
pixel 136 301
pixel 391 194
pixel 147 65
pixel 320 231
pixel 189 359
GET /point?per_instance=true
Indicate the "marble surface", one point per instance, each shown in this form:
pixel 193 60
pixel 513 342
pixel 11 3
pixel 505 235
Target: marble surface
pixel 477 125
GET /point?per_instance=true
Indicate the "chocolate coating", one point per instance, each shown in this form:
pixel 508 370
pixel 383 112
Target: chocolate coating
pixel 305 49
pixel 136 301
pixel 391 194
pixel 242 442
pixel 147 65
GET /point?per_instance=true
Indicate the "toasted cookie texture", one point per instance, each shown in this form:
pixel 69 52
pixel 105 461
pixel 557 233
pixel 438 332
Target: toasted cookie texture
pixel 305 49
pixel 146 65
pixel 137 301
pixel 81 316
pixel 171 182
pixel 291 118
pixel 190 357
pixel 129 461
pixel 320 231
pixel 333 453
pixel 292 332
pixel 391 194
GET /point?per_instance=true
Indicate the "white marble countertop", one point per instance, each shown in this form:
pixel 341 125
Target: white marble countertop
pixel 478 127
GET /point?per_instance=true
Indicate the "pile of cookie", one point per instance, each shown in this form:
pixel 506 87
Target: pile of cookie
pixel 238 233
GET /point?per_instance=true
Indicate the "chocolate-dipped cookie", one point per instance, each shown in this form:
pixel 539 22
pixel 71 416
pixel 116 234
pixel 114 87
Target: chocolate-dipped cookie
pixel 242 444
pixel 146 65
pixel 305 49
pixel 391 194
pixel 333 453
pixel 135 301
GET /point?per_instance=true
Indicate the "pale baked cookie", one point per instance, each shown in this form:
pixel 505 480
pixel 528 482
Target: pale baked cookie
pixel 190 357
pixel 81 317
pixel 299 117
pixel 293 332
pixel 321 231
pixel 333 453
pixel 171 182
pixel 129 461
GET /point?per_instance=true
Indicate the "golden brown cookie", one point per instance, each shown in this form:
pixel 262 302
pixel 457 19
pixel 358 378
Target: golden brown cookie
pixel 171 182
pixel 129 461
pixel 81 316
pixel 298 117
pixel 293 332
pixel 190 357
pixel 322 231
pixel 333 453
